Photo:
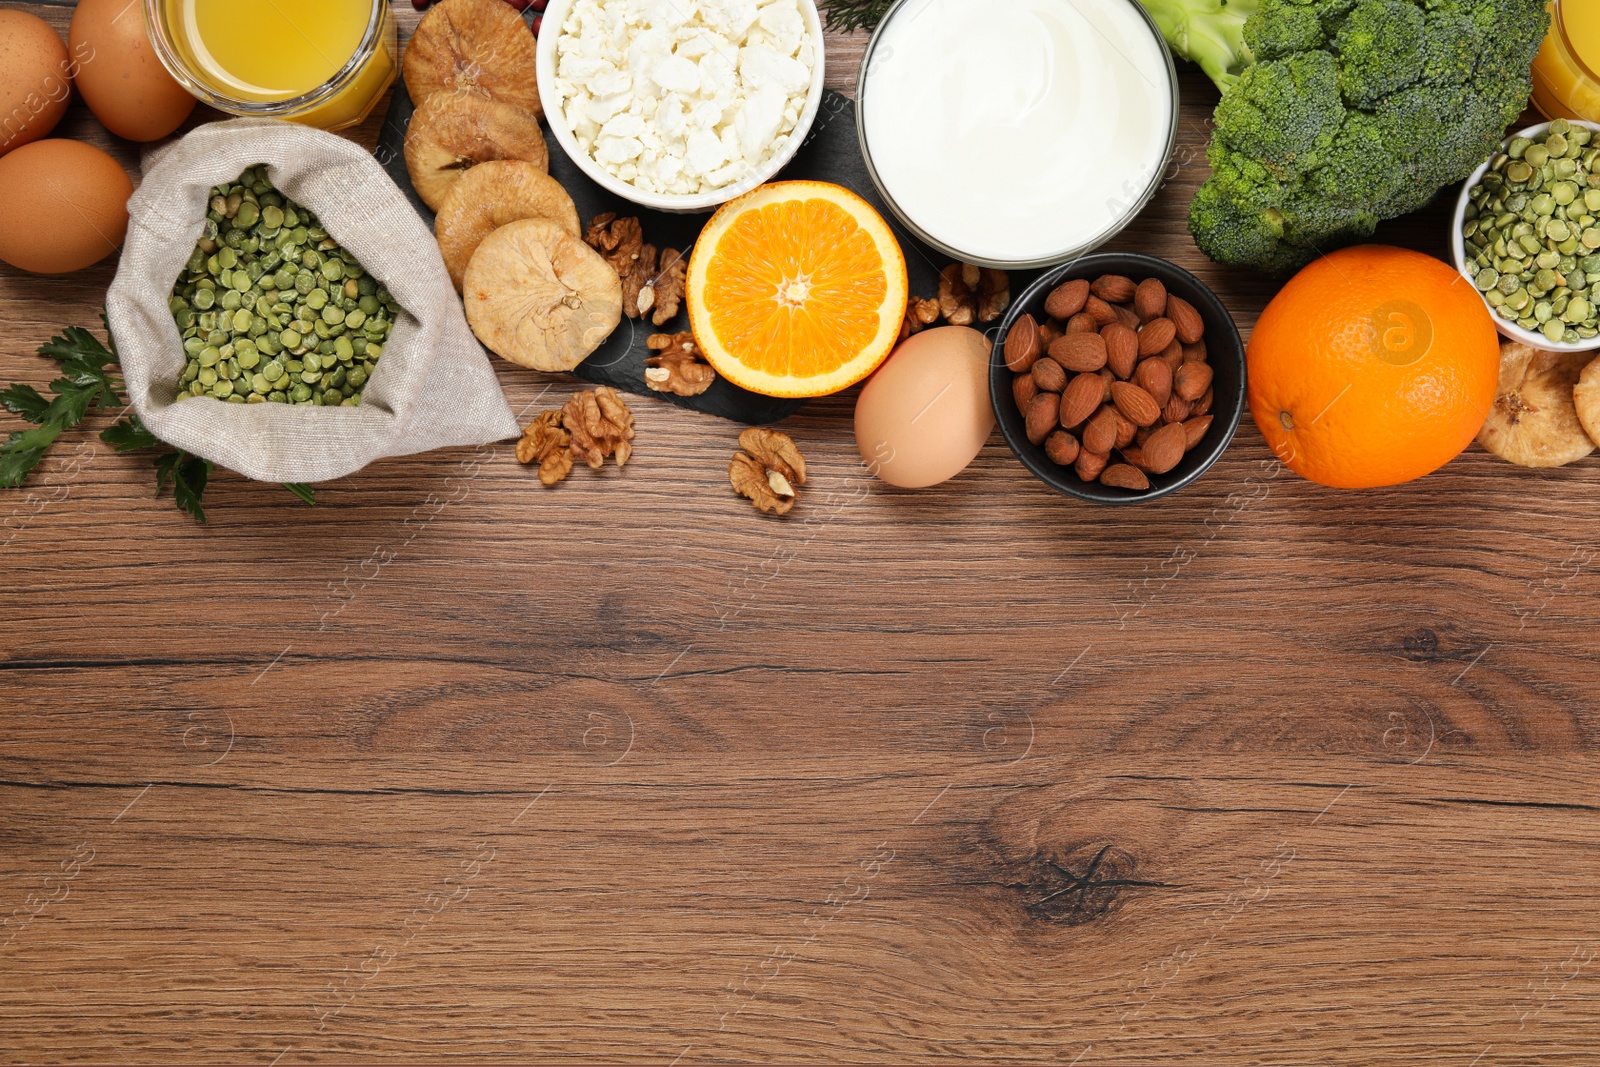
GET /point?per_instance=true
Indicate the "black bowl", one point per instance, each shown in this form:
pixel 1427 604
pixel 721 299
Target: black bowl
pixel 1224 351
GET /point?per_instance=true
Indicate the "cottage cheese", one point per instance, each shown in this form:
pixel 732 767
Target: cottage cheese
pixel 683 96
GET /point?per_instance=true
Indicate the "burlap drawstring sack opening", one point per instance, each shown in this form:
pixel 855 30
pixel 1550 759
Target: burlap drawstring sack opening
pixel 433 386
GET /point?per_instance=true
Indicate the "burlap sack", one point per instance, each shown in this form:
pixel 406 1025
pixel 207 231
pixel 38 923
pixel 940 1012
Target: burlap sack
pixel 433 386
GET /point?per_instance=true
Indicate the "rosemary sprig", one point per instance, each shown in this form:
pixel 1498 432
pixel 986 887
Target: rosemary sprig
pixel 847 15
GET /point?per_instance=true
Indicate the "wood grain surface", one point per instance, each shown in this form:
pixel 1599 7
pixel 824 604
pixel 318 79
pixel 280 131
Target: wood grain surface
pixel 453 766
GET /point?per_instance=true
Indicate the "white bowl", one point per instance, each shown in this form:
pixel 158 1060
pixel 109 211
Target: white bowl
pixel 555 15
pixel 1458 248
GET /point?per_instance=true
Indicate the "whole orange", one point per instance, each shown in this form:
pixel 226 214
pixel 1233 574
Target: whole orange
pixel 1372 367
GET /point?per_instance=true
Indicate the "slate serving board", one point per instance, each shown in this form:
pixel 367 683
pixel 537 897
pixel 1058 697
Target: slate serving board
pixel 830 153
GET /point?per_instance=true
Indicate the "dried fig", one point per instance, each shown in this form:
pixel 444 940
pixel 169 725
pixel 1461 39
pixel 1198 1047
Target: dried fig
pixel 1533 422
pixel 538 296
pixel 480 47
pixel 453 132
pixel 488 197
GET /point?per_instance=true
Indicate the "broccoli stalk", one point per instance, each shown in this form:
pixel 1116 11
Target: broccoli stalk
pixel 1207 32
pixel 1337 114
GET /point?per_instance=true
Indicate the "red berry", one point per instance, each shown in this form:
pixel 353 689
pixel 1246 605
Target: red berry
pixel 538 20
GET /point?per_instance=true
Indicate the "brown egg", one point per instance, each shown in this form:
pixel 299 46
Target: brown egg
pixel 35 79
pixel 63 206
pixel 925 414
pixel 120 75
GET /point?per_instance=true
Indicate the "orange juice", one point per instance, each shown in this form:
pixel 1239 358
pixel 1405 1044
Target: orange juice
pixel 1566 74
pixel 320 62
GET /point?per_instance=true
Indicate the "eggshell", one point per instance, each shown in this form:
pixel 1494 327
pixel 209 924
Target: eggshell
pixel 925 414
pixel 63 206
pixel 120 75
pixel 35 79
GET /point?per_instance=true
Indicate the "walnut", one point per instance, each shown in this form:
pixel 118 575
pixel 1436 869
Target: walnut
pixel 649 283
pixel 768 471
pixel 919 313
pixel 601 425
pixel 969 294
pixel 677 366
pixel 545 441
pixel 617 239
pixel 664 292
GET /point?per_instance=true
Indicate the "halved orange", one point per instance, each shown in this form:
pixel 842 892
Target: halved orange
pixel 796 289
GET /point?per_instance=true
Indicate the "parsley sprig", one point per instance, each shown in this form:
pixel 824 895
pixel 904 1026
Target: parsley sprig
pixel 88 384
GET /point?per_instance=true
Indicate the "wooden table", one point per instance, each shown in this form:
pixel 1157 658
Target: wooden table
pixel 625 771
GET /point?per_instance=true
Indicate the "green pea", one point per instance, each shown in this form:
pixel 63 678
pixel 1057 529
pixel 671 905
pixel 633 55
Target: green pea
pixel 259 384
pixel 317 300
pixel 1554 330
pixel 290 339
pixel 204 299
pixel 300 393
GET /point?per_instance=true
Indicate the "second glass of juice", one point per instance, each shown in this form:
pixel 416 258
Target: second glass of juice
pixel 319 62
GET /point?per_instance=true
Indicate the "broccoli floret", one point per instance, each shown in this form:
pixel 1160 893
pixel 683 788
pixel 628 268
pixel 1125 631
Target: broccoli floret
pixel 1337 114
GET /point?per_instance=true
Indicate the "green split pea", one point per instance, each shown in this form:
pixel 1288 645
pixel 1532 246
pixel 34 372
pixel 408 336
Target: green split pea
pixel 272 310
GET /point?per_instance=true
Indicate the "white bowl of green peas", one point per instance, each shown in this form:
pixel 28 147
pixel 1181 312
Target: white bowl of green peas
pixel 1526 233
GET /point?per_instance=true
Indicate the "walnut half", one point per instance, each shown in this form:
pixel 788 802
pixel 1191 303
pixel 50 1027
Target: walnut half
pixel 768 471
pixel 969 294
pixel 676 366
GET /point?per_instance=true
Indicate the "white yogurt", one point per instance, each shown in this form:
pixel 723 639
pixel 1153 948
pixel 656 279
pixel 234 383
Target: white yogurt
pixel 1017 131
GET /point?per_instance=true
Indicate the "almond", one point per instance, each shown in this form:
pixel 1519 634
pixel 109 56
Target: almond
pixel 1195 429
pixel 1126 316
pixel 1122 349
pixel 1139 406
pixel 1079 351
pixel 1155 377
pixel 1106 378
pixel 1100 432
pixel 1081 398
pixel 1134 456
pixel 1125 430
pixel 1142 436
pixel 1041 418
pixel 1191 327
pixel 1124 476
pixel 1048 375
pixel 1203 405
pixel 1196 352
pixel 1100 311
pixel 1155 336
pixel 1049 330
pixel 1165 447
pixel 1177 409
pixel 1022 343
pixel 1089 465
pixel 1061 447
pixel 1022 389
pixel 1192 380
pixel 1173 355
pixel 1150 299
pixel 1082 322
pixel 1113 288
pixel 1066 299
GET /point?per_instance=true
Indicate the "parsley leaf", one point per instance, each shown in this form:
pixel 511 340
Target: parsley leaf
pixel 189 484
pixel 129 435
pixel 26 401
pixel 22 452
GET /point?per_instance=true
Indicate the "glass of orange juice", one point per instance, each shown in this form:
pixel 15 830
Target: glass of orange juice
pixel 319 62
pixel 1566 75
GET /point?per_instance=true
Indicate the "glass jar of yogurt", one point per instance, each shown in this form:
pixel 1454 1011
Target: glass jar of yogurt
pixel 1017 133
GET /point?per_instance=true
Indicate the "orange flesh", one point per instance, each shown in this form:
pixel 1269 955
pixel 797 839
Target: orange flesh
pixel 798 287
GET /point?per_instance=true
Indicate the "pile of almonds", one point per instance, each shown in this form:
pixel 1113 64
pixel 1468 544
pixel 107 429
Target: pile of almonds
pixel 1116 369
